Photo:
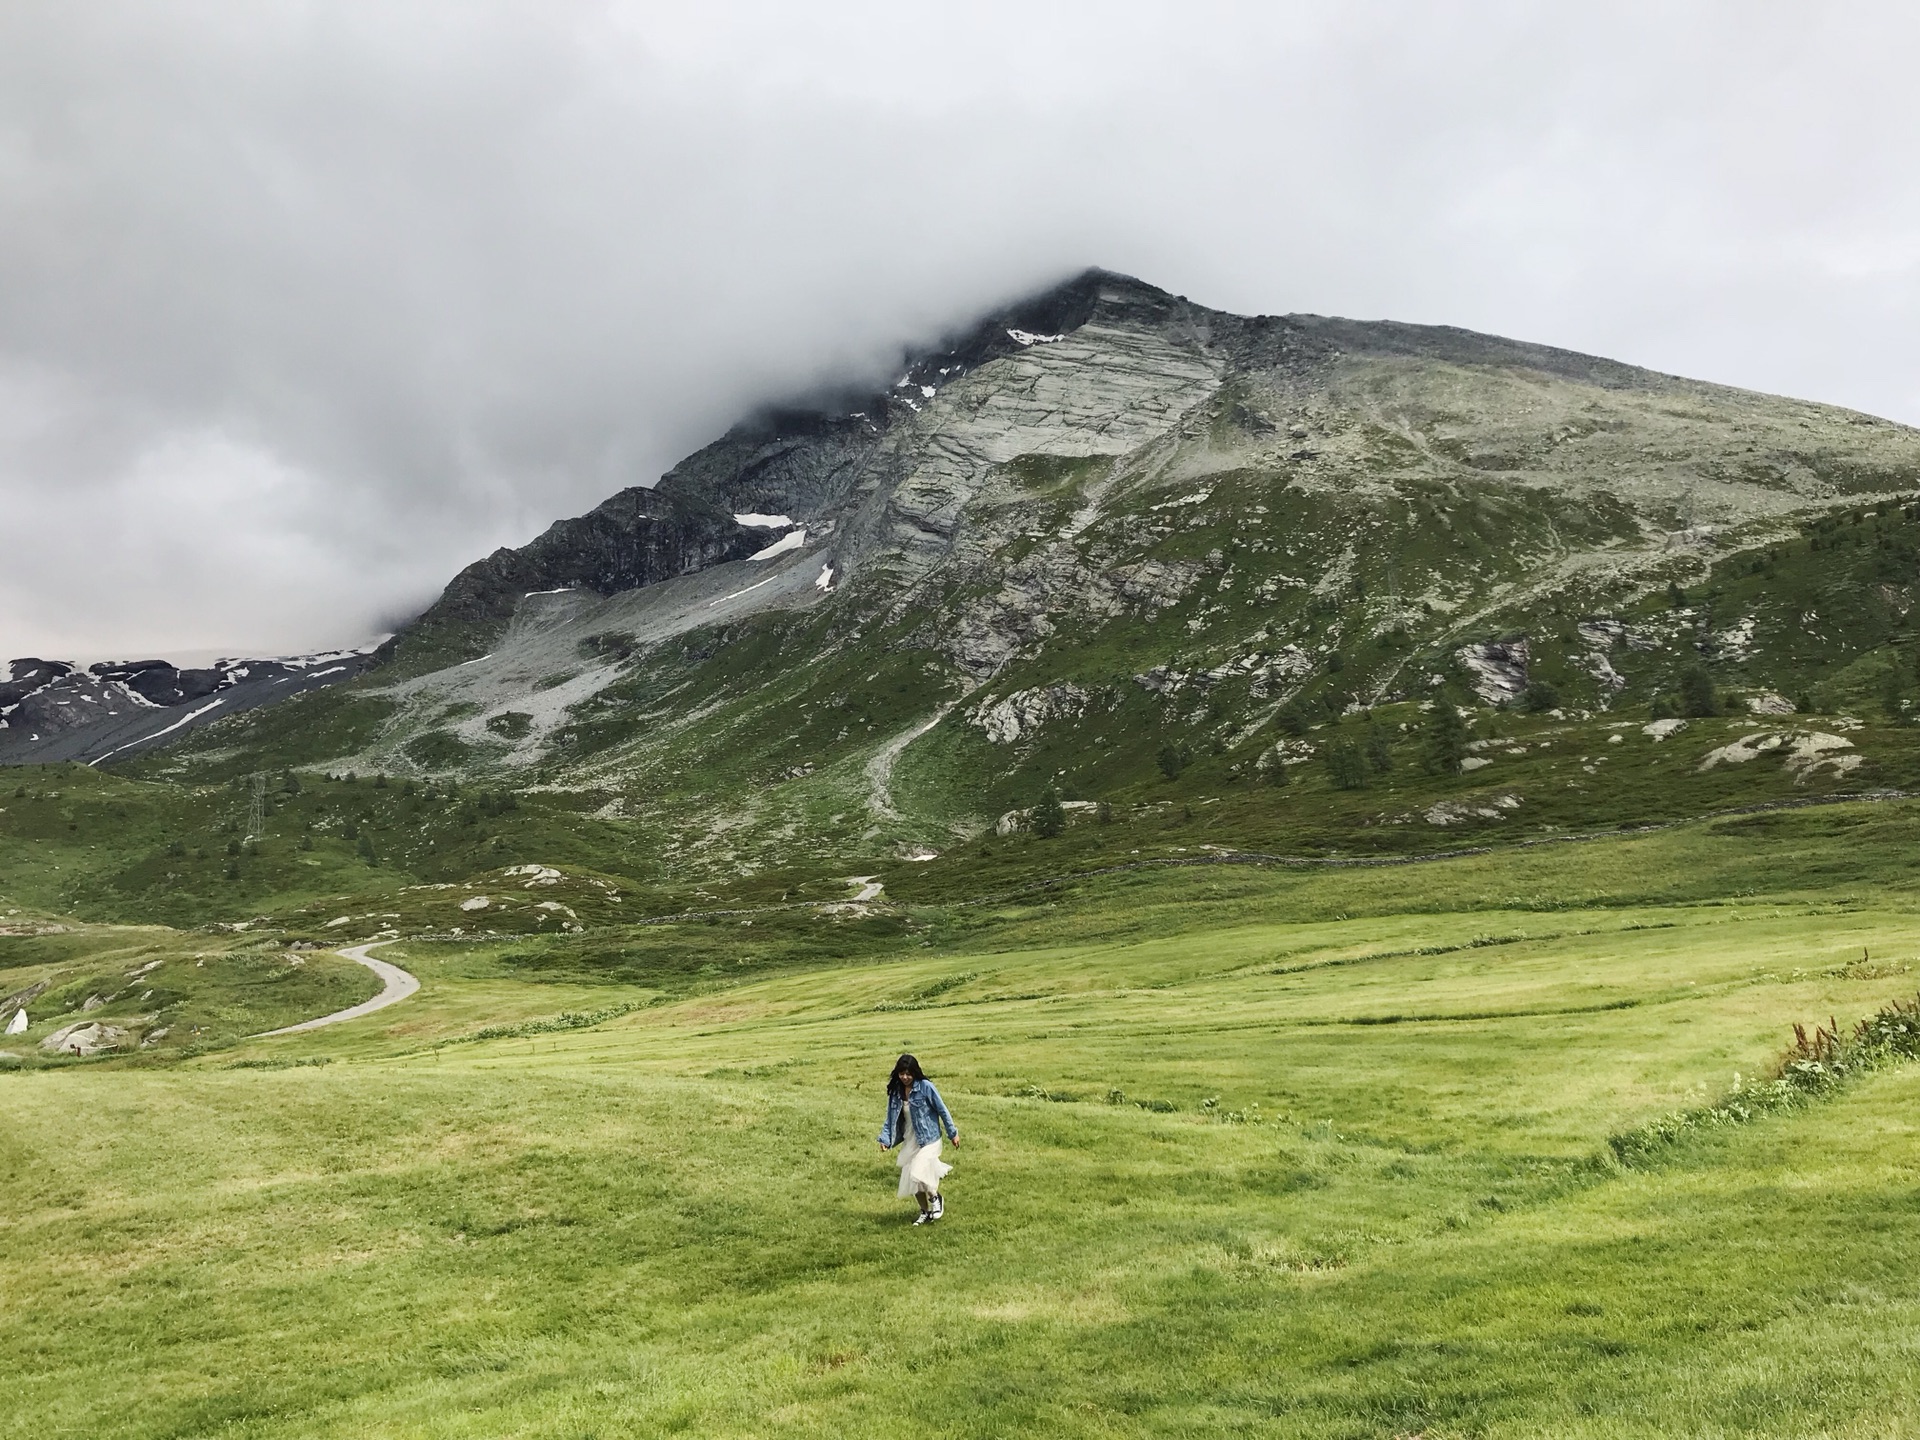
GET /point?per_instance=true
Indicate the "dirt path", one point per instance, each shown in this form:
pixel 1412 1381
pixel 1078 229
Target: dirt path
pixel 399 985
pixel 880 767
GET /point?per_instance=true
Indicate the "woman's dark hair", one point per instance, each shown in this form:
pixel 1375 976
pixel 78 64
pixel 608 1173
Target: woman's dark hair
pixel 908 1064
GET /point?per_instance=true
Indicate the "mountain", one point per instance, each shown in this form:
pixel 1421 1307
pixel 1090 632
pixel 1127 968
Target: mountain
pixel 52 711
pixel 1107 536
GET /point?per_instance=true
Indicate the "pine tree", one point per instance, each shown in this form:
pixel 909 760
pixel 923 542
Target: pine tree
pixel 1379 751
pixel 1697 699
pixel 1346 765
pixel 1446 739
pixel 1049 817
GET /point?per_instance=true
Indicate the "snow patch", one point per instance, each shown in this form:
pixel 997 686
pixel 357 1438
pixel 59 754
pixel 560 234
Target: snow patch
pixel 738 593
pixel 792 540
pixel 193 716
pixel 824 580
pixel 1027 337
pixel 763 522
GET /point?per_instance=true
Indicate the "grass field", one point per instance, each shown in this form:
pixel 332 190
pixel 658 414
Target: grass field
pixel 1243 1152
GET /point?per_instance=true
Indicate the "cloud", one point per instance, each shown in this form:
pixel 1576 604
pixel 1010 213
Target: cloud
pixel 307 306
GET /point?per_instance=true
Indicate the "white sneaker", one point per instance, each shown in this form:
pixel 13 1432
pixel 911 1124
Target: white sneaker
pixel 939 1208
pixel 923 1217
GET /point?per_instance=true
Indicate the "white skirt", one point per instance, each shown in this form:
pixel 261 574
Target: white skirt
pixel 920 1167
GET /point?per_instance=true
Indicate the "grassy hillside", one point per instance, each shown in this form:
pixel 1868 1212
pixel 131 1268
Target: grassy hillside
pixel 1243 1151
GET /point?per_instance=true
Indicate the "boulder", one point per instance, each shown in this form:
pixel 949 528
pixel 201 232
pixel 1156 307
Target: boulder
pixel 87 1037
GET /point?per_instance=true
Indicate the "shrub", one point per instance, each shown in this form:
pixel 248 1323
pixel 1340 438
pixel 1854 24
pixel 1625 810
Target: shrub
pixel 510 724
pixel 437 749
pixel 1171 761
pixel 1291 719
pixel 1812 1066
pixel 1540 696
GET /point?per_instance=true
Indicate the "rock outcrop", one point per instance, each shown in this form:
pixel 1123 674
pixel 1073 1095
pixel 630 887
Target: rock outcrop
pixel 89 1037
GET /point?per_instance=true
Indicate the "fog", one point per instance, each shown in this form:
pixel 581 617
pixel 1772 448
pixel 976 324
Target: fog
pixel 303 306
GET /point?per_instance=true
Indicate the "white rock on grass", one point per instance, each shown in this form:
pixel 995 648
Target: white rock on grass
pixel 1661 729
pixel 1804 751
pixel 1452 812
pixel 88 1037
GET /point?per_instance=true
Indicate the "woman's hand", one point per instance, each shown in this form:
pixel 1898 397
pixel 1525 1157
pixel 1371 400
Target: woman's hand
pixel 954 1140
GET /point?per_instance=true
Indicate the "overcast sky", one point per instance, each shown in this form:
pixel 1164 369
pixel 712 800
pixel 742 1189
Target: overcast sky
pixel 305 306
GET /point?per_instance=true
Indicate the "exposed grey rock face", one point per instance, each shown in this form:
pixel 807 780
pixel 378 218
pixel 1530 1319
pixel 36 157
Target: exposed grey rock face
pixel 1025 711
pixel 1498 672
pixel 639 537
pixel 1596 664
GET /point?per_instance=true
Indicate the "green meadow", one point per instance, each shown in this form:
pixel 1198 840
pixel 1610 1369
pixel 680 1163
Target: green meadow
pixel 1244 1150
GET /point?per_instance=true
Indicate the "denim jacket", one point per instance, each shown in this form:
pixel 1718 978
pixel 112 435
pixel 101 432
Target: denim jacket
pixel 928 1111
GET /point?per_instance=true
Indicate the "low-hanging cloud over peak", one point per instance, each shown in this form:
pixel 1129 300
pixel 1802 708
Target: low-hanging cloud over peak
pixel 309 305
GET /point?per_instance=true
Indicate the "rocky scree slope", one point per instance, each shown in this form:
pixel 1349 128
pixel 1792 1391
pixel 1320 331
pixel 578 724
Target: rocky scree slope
pixel 1108 524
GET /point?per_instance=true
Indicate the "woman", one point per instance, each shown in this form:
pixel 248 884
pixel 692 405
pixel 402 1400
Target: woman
pixel 915 1115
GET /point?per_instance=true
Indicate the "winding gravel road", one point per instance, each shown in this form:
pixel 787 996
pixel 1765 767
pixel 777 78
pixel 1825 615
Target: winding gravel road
pixel 399 985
